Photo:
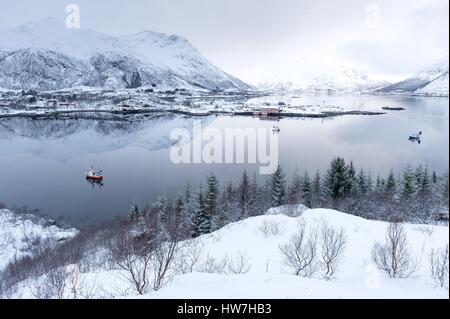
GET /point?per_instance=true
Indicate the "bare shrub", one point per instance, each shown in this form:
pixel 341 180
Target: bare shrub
pixel 271 228
pixel 213 266
pixel 438 260
pixel 162 262
pixel 427 230
pixel 239 265
pixel 301 251
pixel 51 285
pixel 77 285
pixel 188 257
pixel 147 264
pixel 394 256
pixel 226 265
pixel 136 262
pixel 332 249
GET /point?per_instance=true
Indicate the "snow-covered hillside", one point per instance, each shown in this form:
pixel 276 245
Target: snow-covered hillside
pixel 255 265
pixel 48 52
pixel 336 79
pixel 20 236
pixel 432 80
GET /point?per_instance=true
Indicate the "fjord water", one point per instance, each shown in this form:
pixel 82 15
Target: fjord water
pixel 42 161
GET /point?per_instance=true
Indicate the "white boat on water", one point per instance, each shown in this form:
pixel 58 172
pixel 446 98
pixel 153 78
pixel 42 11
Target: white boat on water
pixel 415 136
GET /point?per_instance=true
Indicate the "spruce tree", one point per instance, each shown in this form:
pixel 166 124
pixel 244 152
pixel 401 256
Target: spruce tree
pixel 201 221
pixel 278 187
pixel 391 184
pixel 244 195
pixel 408 181
pixel 362 183
pixel 134 212
pixel 306 189
pixel 316 189
pixel 139 226
pixel 162 217
pixel 336 180
pixel 227 210
pixel 212 192
pixel 425 182
pixel 180 220
pixel 253 200
pixel 190 207
pixel 352 187
pixel 434 178
pixel 295 189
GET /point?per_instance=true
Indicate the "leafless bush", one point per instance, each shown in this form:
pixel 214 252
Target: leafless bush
pixel 136 264
pixel 332 249
pixel 239 265
pixel 188 257
pixel 301 251
pixel 163 261
pixel 147 264
pixel 427 230
pixel 51 285
pixel 271 228
pixel 227 265
pixel 77 285
pixel 394 256
pixel 438 260
pixel 213 266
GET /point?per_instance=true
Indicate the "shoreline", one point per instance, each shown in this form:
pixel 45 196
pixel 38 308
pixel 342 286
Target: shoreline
pixel 325 114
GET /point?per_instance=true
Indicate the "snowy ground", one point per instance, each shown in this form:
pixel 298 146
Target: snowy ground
pixel 268 277
pixel 20 235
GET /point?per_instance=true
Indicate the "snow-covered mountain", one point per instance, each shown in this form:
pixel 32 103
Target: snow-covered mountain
pixel 53 56
pixel 432 80
pixel 344 79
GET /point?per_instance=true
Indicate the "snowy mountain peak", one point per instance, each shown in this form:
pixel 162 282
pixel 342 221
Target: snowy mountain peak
pixel 432 80
pixel 331 78
pixel 158 58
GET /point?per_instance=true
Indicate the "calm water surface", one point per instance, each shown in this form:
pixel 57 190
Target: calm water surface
pixel 42 162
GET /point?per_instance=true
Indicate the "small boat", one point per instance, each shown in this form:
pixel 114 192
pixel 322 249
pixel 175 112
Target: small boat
pixel 91 174
pixel 415 136
pixel 275 128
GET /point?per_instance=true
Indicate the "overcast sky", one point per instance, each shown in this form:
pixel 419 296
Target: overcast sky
pixel 254 39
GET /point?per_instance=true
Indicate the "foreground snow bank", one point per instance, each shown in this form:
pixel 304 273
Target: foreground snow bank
pixel 255 242
pixel 19 236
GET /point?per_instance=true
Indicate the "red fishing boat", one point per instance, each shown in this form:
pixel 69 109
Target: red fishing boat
pixel 93 175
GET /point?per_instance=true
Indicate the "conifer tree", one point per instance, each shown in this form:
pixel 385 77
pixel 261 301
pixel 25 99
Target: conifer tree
pixel 352 187
pixel 408 181
pixel 391 184
pixel 212 192
pixel 295 189
pixel 278 187
pixel 189 207
pixel 180 219
pixel 336 181
pixel 134 212
pixel 162 217
pixel 316 189
pixel 306 189
pixel 201 220
pixel 362 183
pixel 244 195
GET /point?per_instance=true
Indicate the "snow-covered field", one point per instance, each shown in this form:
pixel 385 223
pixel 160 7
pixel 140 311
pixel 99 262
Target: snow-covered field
pixel 255 242
pixel 19 236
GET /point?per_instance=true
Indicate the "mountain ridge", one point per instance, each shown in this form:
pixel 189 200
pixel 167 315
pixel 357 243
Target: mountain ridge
pixel 167 61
